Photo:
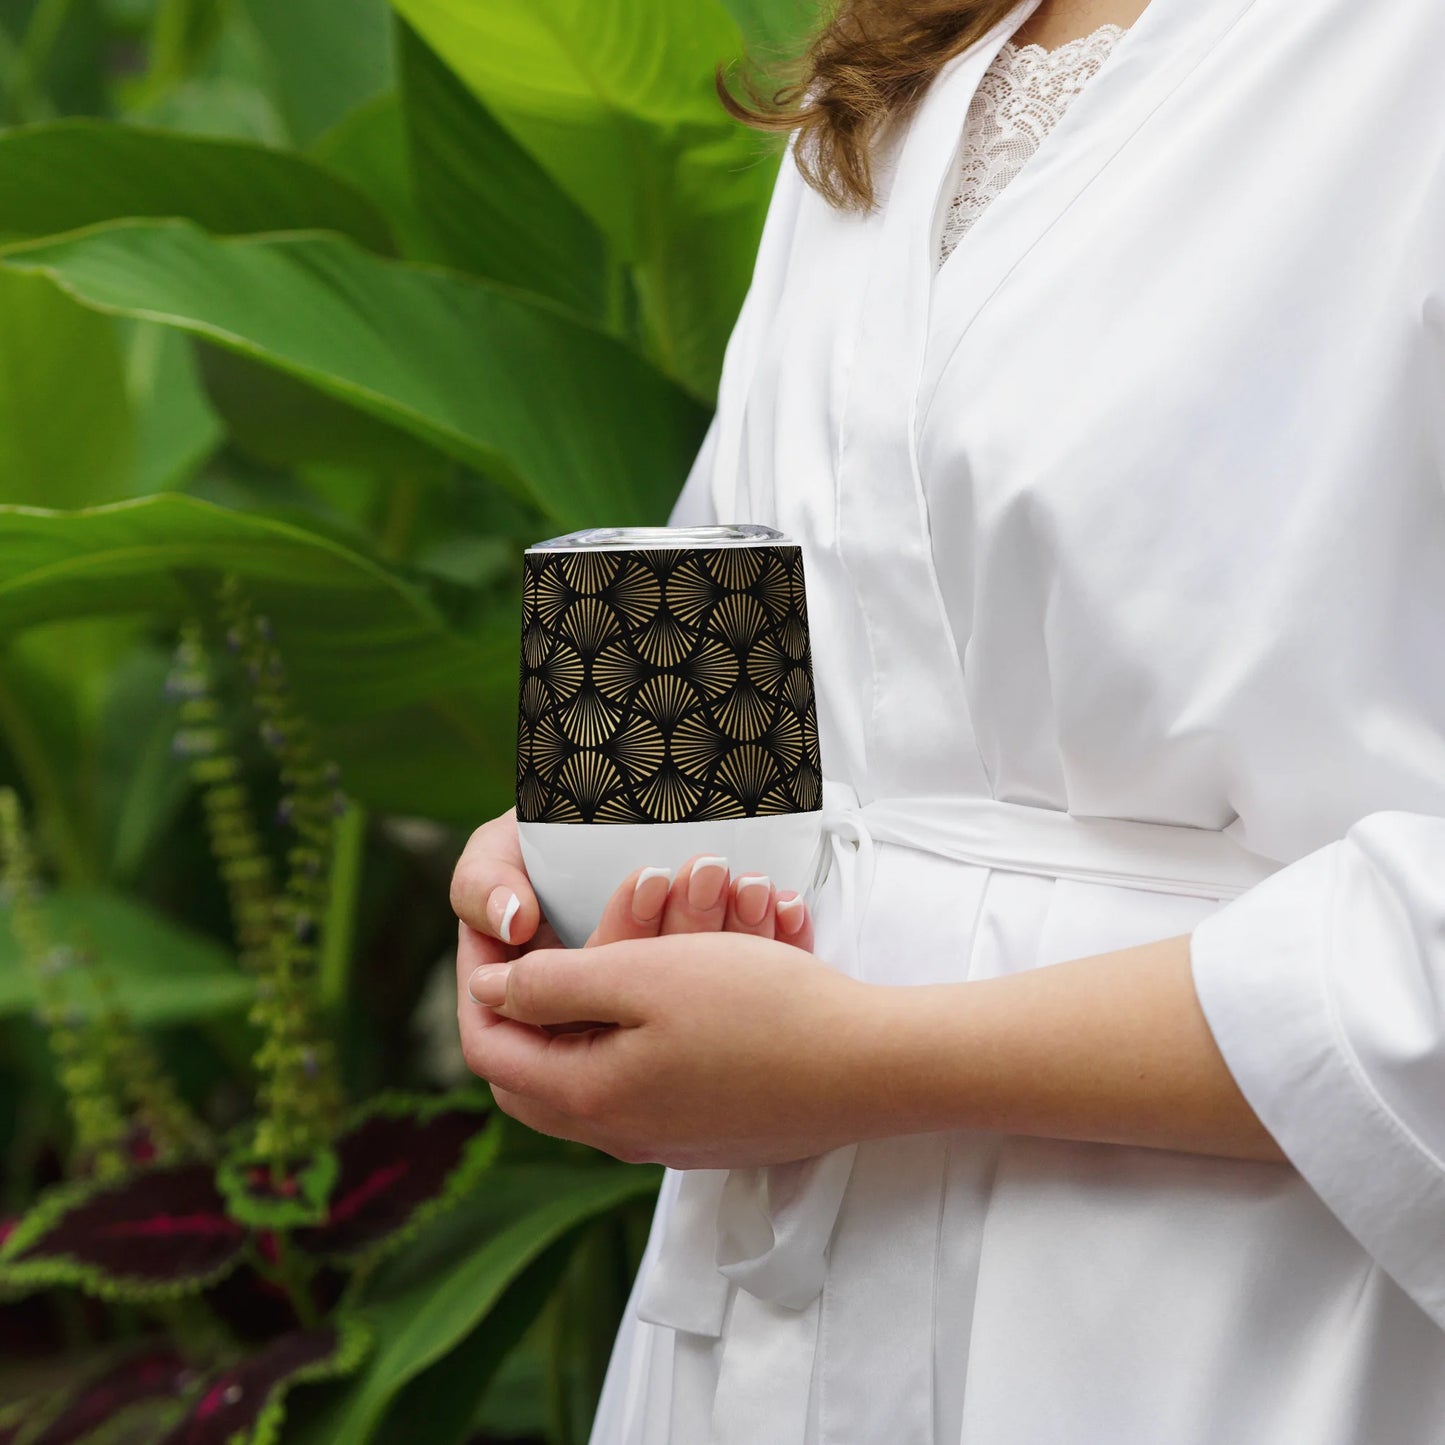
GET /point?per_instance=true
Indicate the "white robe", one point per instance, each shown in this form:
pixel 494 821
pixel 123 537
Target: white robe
pixel 1136 510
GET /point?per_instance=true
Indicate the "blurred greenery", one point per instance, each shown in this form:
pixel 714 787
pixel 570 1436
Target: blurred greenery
pixel 349 303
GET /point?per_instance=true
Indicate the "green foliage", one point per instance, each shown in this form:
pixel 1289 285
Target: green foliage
pixel 75 173
pixel 66 429
pixel 311 317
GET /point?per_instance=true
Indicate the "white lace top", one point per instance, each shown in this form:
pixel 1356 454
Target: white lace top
pixel 1019 100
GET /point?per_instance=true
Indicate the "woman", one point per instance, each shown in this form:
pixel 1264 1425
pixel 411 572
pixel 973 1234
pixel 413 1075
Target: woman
pixel 1112 1113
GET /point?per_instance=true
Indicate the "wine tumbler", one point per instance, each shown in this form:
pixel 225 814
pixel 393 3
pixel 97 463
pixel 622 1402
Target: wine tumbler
pixel 665 709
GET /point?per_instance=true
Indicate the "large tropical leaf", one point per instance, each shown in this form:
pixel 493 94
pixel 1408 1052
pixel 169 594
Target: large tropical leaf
pixel 76 173
pixel 493 209
pixel 368 147
pixel 558 411
pixel 326 58
pixel 421 720
pixel 66 433
pixel 776 28
pixel 176 427
pixel 162 973
pixel 418 1320
pixel 617 103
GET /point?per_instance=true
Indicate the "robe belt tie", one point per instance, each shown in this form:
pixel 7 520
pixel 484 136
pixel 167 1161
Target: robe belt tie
pixel 766 1229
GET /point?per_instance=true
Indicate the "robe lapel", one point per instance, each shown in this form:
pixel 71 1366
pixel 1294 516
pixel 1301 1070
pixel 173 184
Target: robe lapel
pixel 917 694
pixel 1168 41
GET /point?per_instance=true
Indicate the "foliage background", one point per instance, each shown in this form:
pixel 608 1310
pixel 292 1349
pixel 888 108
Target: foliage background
pixel 351 301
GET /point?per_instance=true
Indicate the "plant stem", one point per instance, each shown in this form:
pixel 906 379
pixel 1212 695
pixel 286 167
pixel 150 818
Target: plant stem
pixel 344 889
pixel 295 1284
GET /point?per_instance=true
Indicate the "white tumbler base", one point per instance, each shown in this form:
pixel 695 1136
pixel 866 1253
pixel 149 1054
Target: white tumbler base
pixel 576 867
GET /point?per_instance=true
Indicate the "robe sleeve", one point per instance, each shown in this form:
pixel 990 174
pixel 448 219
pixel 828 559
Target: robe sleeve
pixel 1324 987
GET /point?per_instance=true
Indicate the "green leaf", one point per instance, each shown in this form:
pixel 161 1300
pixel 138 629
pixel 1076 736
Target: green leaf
pixel 163 973
pixel 421 720
pixel 591 90
pixel 368 147
pixel 493 209
pixel 522 1213
pixel 209 76
pixel 278 420
pixel 617 103
pixel 449 1392
pixel 558 411
pixel 66 436
pixel 774 28
pixel 327 59
pixel 75 173
pixel 177 429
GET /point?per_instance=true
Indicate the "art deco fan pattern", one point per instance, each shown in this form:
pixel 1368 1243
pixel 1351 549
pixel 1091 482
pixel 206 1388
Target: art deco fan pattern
pixel 665 686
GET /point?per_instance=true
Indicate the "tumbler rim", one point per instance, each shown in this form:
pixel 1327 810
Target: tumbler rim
pixel 609 539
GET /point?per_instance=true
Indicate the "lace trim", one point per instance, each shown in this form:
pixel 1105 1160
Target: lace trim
pixel 1018 102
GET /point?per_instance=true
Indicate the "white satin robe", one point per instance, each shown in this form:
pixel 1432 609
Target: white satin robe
pixel 1135 510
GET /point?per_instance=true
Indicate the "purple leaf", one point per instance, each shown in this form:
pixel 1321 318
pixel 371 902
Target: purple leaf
pixel 159 1233
pixel 243 1403
pixel 399 1163
pixel 156 1374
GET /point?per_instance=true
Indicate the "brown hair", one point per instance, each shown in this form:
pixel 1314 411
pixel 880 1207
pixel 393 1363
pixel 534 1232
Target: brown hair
pixel 865 69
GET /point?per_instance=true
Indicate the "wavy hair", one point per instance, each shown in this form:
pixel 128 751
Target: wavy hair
pixel 865 69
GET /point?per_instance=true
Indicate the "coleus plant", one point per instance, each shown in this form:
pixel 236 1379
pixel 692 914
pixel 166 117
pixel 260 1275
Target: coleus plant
pixel 244 1251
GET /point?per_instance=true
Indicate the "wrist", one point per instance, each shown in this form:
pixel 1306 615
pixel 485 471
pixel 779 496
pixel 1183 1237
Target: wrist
pixel 902 1071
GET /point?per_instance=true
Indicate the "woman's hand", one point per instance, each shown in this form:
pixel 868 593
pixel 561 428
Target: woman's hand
pixel 702 899
pixel 493 898
pixel 501 917
pixel 716 1050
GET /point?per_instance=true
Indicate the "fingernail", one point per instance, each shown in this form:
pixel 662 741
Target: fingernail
pixel 753 897
pixel 650 893
pixel 488 985
pixel 706 882
pixel 502 908
pixel 790 913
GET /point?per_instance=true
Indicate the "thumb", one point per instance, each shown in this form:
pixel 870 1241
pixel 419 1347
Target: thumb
pixel 562 986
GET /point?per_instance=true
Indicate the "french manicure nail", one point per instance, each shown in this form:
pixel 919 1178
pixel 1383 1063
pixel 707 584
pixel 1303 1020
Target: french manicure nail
pixel 488 984
pixel 753 894
pixel 502 908
pixel 706 882
pixel 790 913
pixel 649 893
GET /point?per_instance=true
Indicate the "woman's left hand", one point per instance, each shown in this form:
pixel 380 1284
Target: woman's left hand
pixel 714 1050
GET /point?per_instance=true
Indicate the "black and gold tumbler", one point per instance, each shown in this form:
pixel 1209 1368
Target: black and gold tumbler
pixel 666 708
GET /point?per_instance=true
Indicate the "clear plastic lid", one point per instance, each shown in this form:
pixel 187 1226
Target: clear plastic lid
pixel 610 539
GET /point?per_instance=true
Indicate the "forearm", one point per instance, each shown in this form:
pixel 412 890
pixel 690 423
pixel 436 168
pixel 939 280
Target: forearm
pixel 1112 1048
